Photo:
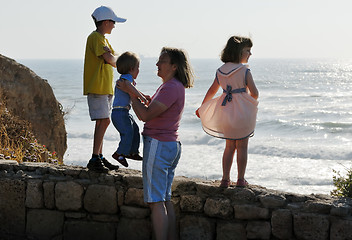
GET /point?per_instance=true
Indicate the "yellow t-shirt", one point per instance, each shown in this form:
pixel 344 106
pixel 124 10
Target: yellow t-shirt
pixel 98 75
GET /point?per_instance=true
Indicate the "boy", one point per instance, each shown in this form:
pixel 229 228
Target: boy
pixel 98 77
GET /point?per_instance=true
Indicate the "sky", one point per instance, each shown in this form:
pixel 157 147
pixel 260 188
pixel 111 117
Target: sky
pixel 46 29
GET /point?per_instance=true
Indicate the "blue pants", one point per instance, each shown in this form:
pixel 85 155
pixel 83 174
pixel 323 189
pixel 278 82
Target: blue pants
pixel 128 129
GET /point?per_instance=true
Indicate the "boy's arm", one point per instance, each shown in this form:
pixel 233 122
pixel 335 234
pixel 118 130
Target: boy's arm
pixel 110 58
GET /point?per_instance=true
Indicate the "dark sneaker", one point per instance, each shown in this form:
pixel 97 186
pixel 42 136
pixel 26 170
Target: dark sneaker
pixel 96 165
pixel 120 158
pixel 109 165
pixel 134 156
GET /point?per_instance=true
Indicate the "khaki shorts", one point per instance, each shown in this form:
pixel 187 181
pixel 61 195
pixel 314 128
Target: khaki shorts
pixel 99 106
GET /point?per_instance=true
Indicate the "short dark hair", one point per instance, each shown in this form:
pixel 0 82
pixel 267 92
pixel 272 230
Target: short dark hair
pixel 126 62
pixel 97 23
pixel 233 49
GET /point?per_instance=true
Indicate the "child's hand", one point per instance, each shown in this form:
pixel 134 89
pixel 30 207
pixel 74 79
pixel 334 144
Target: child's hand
pixel 143 100
pixel 148 98
pixel 197 113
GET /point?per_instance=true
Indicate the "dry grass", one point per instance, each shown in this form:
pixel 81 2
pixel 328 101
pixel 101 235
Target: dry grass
pixel 17 142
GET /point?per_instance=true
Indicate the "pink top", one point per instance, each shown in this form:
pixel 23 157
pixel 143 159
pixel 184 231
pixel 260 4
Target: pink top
pixel 165 126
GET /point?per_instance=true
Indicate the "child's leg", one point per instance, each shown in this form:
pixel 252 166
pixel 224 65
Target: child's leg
pixel 123 125
pixel 227 158
pixel 136 137
pixel 242 148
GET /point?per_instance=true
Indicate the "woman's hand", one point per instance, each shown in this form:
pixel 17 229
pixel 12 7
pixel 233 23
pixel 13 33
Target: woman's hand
pixel 122 85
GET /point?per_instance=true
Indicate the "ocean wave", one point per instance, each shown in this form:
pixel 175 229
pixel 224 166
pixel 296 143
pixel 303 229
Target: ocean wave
pixel 302 151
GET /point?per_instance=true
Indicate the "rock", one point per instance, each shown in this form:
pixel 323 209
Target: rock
pixel 282 223
pixel 44 224
pixel 231 231
pixel 341 229
pixel 101 199
pixel 272 201
pixel 134 212
pixel 49 194
pixel 218 207
pixel 191 203
pixel 258 230
pixel 34 194
pixel 311 226
pixel 36 104
pixel 196 228
pixel 12 206
pixel 134 196
pixel 74 229
pixel 68 196
pixel 251 212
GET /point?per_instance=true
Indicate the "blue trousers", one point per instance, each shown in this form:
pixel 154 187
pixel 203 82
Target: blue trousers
pixel 128 129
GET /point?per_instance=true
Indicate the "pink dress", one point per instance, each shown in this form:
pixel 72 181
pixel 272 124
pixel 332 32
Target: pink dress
pixel 233 114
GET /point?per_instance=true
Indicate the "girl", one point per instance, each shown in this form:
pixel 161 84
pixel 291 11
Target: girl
pixel 128 66
pixel 232 115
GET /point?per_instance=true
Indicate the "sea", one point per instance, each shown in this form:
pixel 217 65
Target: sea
pixel 303 132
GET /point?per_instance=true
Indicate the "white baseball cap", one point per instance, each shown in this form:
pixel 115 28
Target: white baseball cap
pixel 105 13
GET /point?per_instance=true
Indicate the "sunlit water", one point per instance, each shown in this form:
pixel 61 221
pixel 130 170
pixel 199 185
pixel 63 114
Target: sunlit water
pixel 304 124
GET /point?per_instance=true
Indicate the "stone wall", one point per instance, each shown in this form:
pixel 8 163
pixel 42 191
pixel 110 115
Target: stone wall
pixel 43 201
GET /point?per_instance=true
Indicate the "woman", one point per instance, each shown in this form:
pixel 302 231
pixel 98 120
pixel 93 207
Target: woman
pixel 162 148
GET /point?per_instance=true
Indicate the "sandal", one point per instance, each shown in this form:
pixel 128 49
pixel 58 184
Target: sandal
pixel 120 158
pixel 241 183
pixel 225 183
pixel 134 156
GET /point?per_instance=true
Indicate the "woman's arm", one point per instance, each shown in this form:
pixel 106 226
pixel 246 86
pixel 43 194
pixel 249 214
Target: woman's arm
pixel 132 90
pixel 146 113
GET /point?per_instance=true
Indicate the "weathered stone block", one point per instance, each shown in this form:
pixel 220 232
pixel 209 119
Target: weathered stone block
pixel 74 230
pixel 103 217
pixel 196 228
pixel 101 199
pixel 191 203
pixel 321 207
pixel 341 229
pixel 251 212
pixel 341 210
pixel 282 224
pixel 134 181
pixel 137 229
pixel 272 201
pixel 311 226
pixel 230 231
pixel 34 194
pixel 134 212
pixel 44 224
pixel 12 206
pixel 240 195
pixel 68 196
pixel 218 207
pixel 134 196
pixel 258 230
pixel 49 194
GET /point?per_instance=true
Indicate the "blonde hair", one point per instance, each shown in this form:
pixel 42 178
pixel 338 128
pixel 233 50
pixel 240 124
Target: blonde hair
pixel 184 72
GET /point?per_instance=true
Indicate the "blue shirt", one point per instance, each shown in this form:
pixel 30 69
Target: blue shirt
pixel 122 98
